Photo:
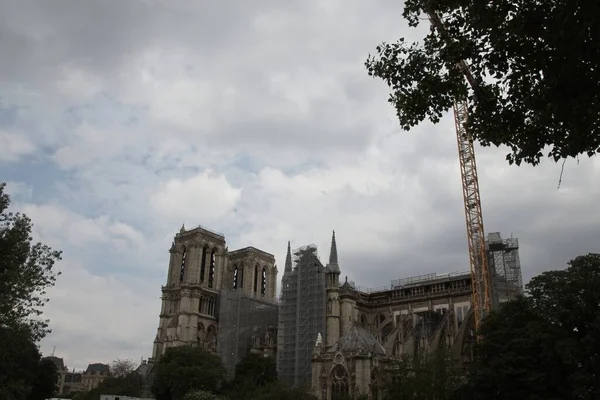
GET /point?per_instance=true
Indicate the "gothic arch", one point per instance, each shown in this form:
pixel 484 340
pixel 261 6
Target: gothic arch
pixel 256 278
pixel 212 266
pixel 375 384
pixel 182 269
pixel 211 338
pixel 363 320
pixel 241 275
pixel 201 334
pixel 236 275
pixel 339 383
pixel 263 281
pixel 203 263
pixel 386 329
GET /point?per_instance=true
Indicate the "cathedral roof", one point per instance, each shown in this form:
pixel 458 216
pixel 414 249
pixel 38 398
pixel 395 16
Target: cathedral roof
pixel 358 338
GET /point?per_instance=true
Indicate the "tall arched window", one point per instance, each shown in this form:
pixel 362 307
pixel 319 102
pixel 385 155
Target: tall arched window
pixel 263 282
pixel 235 276
pixel 374 385
pixel 211 270
pixel 203 263
pixel 339 383
pixel 182 271
pixel 256 278
pixel 241 276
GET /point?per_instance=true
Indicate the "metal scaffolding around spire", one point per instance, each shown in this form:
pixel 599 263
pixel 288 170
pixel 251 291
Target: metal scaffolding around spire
pixel 288 259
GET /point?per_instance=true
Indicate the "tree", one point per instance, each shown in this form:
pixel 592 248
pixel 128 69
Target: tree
pixel 25 272
pixel 515 357
pixel 19 360
pixel 129 385
pixel 121 368
pixel 184 368
pixel 545 345
pixel 568 301
pixel 258 370
pixel 535 67
pixel 199 395
pixel 45 384
pixel 429 376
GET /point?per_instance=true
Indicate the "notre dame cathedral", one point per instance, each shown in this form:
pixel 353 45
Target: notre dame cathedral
pixel 336 338
pixel 218 299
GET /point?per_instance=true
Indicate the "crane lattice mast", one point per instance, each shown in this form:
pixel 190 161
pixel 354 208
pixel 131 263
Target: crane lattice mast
pixel 480 277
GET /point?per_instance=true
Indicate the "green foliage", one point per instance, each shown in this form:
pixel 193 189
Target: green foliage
pixel 46 381
pixel 121 368
pixel 544 346
pixel 25 272
pixel 278 391
pixel 130 385
pixel 536 69
pixel 256 378
pixel 186 368
pixel 199 395
pixel 429 376
pixel 257 370
pixel 19 361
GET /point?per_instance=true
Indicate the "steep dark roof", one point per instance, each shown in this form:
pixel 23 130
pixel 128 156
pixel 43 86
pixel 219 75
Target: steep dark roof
pixel 358 338
pixel 59 362
pixel 97 369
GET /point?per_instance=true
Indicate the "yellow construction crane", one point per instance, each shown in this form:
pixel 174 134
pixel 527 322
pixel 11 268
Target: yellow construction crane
pixel 480 276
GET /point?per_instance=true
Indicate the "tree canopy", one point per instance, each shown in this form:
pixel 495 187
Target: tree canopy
pixel 185 368
pixel 536 70
pixel 121 368
pixel 25 275
pixel 128 385
pixel 25 271
pixel 429 376
pixel 545 345
pixel 19 360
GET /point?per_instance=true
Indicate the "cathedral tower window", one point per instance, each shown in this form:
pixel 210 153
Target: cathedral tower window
pixel 235 276
pixel 241 276
pixel 182 271
pixel 255 278
pixel 211 270
pixel 339 383
pixel 203 264
pixel 263 283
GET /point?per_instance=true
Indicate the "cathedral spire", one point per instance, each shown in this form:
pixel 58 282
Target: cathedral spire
pixel 333 255
pixel 288 260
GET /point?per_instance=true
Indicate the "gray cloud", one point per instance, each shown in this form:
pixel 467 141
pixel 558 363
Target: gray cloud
pixel 256 119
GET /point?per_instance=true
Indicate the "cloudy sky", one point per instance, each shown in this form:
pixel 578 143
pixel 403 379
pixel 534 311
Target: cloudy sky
pixel 121 120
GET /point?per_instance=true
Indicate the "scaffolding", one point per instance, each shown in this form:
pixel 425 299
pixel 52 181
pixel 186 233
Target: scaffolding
pixel 240 316
pixel 503 256
pixel 301 316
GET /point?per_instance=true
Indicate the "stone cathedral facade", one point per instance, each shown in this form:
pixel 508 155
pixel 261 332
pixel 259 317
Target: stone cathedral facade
pixel 366 330
pixel 201 271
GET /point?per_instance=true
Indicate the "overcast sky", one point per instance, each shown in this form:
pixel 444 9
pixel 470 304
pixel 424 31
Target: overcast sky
pixel 121 120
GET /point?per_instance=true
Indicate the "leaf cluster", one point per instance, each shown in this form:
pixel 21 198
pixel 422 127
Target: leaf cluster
pixel 23 373
pixel 183 369
pixel 428 376
pixel 121 368
pixel 545 345
pixel 535 66
pixel 25 271
pixel 128 385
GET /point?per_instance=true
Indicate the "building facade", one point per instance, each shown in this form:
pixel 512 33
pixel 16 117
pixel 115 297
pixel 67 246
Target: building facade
pixel 367 329
pixel 202 274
